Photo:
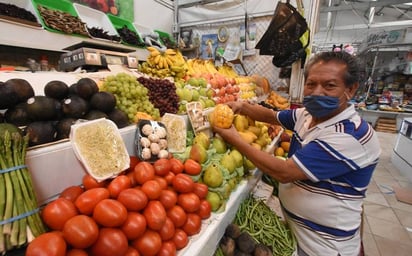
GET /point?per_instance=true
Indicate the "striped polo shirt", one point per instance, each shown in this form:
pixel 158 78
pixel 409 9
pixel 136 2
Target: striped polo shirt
pixel 338 156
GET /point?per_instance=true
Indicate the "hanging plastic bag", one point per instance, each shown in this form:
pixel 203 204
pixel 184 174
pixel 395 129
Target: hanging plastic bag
pixel 287 37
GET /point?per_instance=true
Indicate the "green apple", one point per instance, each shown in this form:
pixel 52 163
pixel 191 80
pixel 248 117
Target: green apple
pixel 203 92
pixel 202 82
pixel 193 82
pixel 195 95
pixel 186 94
pixel 209 103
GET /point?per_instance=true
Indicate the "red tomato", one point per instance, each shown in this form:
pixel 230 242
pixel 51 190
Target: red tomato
pixel 81 231
pixel 57 212
pixel 193 224
pixel 168 198
pixel 155 215
pixel 205 209
pixel 192 167
pixel 86 202
pixel 152 189
pixel 134 160
pixel 110 213
pixel 190 202
pixel 134 199
pixel 177 165
pixel 118 184
pixel 177 215
pixel 201 190
pixel 72 192
pixel 168 248
pixel 47 244
pixel 162 181
pixel 148 244
pixel 130 174
pixel 162 166
pixel 134 226
pixel 169 178
pixel 168 230
pixel 111 241
pixel 90 182
pixel 132 252
pixel 183 183
pixel 180 239
pixel 76 252
pixel 143 172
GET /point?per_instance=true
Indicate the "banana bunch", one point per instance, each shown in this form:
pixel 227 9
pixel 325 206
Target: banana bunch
pixel 163 64
pixel 278 101
pixel 227 71
pixel 200 66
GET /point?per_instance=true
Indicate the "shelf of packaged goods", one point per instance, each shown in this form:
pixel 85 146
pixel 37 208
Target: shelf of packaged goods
pixel 38 38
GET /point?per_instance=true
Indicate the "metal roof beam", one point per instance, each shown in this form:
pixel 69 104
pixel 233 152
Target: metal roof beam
pixel 359 6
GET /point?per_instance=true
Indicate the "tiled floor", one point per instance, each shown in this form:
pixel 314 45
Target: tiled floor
pixel 387 220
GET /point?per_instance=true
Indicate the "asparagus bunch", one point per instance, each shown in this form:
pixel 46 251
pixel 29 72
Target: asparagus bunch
pixel 20 219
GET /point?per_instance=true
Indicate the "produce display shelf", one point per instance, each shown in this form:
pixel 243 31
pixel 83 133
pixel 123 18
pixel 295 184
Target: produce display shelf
pixel 55 167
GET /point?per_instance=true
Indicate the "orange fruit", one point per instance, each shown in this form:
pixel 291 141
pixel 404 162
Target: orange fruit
pixel 279 151
pixel 285 145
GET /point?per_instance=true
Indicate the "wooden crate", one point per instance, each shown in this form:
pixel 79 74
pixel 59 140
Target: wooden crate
pixel 386 125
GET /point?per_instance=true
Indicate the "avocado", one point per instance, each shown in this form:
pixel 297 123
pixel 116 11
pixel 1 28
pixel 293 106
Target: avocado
pixel 63 127
pixel 23 89
pixel 43 108
pixel 85 88
pixel 18 115
pixel 56 89
pixel 8 96
pixel 119 118
pixel 103 101
pixel 95 114
pixel 75 106
pixel 40 132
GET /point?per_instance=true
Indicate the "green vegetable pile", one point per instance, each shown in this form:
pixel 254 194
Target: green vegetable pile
pixel 256 218
pixel 20 219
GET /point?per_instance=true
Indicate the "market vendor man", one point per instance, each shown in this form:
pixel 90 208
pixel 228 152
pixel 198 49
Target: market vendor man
pixel 332 156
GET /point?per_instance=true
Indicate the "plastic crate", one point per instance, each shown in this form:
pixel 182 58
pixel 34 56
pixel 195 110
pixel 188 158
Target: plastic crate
pixel 28 6
pixel 61 5
pixel 119 23
pixel 168 37
pixel 96 19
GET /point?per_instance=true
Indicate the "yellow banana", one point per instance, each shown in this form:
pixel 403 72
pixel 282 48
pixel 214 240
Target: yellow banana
pixel 154 53
pixel 165 64
pixel 160 63
pixel 168 61
pixel 157 59
pixel 151 49
pixel 170 52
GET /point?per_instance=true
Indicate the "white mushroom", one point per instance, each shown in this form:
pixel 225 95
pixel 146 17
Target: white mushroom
pixel 160 131
pixel 147 129
pixel 163 143
pixel 154 148
pixel 146 154
pixel 153 138
pixel 163 153
pixel 145 142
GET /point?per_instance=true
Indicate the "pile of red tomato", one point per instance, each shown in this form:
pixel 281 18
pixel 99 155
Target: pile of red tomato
pixel 150 209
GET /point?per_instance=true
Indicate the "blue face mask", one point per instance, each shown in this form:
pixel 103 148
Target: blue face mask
pixel 320 106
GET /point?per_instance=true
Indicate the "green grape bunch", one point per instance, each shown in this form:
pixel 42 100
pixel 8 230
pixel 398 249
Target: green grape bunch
pixel 131 95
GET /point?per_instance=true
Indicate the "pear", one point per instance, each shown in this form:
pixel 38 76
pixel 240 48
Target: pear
pixel 202 139
pixel 248 165
pixel 198 153
pixel 237 156
pixel 228 162
pixel 212 176
pixel 214 199
pixel 219 145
